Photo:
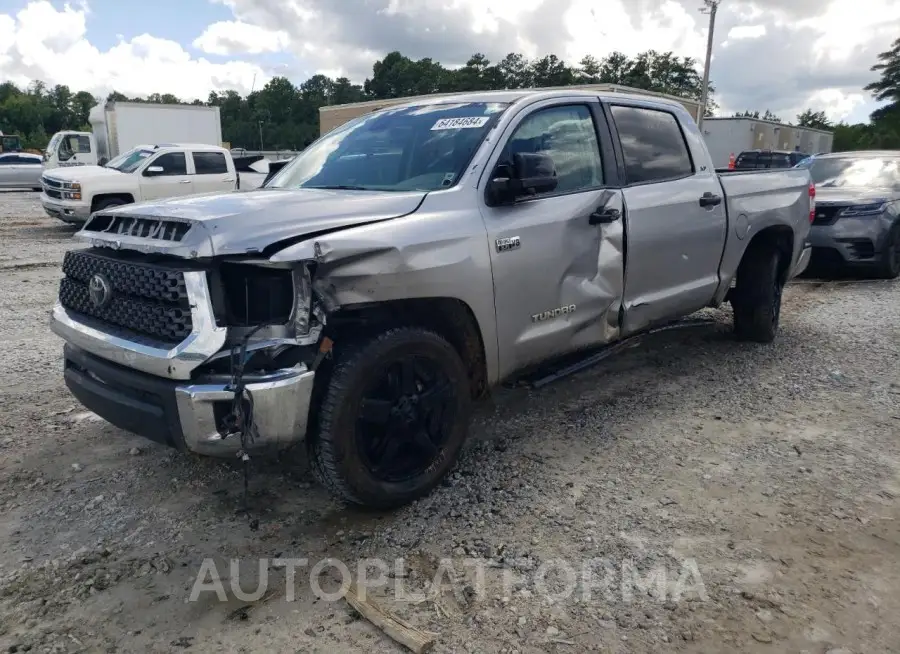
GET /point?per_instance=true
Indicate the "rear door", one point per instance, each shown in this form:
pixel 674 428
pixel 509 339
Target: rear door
pixel 558 279
pixel 211 172
pixel 172 182
pixel 675 216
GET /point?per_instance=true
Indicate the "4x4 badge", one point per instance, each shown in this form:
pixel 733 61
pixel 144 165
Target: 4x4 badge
pixel 506 244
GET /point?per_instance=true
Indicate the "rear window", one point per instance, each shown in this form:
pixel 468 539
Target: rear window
pixel 652 144
pixel 746 160
pixel 210 163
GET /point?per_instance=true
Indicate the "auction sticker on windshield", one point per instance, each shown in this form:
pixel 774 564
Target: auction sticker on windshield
pixel 463 122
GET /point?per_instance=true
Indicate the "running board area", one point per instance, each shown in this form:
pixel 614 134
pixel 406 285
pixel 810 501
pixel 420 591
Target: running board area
pixel 570 365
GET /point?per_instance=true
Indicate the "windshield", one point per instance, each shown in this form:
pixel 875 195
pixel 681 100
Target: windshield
pixel 872 172
pixel 422 148
pixel 130 161
pixel 54 143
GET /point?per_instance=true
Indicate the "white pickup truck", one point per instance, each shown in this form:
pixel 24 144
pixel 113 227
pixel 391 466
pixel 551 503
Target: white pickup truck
pixel 148 172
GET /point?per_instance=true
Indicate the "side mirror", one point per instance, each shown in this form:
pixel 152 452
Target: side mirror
pixel 536 172
pixel 154 170
pixel 530 174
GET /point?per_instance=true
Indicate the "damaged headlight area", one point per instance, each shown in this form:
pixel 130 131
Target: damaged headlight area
pixel 270 309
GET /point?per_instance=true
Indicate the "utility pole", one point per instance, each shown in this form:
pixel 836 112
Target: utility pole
pixel 712 6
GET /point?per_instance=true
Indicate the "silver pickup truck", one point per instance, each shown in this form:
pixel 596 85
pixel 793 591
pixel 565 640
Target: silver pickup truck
pixel 406 263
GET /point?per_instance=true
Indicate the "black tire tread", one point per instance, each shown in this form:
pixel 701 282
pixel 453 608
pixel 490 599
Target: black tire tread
pixel 884 268
pixel 348 362
pixel 752 301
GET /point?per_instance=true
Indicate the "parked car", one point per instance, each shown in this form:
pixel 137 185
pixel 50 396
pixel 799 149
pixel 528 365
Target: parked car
pixel 20 170
pixel 407 262
pixel 763 159
pixel 857 220
pixel 148 172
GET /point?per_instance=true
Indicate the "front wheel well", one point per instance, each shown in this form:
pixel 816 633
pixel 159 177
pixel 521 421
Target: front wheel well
pixel 97 200
pixel 451 318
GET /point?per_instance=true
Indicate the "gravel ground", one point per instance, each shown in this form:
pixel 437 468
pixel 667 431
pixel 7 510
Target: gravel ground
pixel 759 484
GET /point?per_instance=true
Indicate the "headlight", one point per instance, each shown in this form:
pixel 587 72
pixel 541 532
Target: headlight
pixel 302 300
pixel 869 209
pixel 71 195
pixel 72 186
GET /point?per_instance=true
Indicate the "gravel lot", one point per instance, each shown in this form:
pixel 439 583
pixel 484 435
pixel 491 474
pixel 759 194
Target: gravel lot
pixel 765 478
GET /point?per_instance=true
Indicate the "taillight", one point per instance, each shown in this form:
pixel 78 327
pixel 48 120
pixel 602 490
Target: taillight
pixel 812 202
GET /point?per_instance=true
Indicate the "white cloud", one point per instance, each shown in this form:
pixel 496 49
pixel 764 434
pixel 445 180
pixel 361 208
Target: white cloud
pixel 746 32
pixel 43 43
pixel 769 54
pixel 229 37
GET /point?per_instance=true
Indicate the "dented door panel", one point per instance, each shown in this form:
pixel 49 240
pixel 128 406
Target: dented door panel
pixel 561 289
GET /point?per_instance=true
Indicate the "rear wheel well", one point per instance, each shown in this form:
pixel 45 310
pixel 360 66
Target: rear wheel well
pixel 126 198
pixel 777 237
pixel 448 317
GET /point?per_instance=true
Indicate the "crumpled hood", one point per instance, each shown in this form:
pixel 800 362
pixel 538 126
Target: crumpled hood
pixel 854 195
pixel 246 222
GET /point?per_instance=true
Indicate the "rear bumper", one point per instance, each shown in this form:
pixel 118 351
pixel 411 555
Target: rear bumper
pixel 802 261
pixel 188 415
pixel 851 240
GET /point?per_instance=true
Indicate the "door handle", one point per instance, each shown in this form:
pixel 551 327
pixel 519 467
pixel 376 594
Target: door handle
pixel 604 216
pixel 185 181
pixel 710 200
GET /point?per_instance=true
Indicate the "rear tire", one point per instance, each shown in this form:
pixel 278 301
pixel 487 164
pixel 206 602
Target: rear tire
pixel 756 300
pixel 889 266
pixel 353 452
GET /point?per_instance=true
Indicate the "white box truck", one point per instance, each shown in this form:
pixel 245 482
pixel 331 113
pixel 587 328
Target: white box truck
pixel 730 136
pixel 118 127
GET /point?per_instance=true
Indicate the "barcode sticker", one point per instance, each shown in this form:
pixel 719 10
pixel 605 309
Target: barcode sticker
pixel 463 122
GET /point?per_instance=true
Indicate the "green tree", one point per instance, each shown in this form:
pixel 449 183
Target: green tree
pixel 814 119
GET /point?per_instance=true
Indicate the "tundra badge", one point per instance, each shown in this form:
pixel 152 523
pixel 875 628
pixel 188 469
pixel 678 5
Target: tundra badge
pixel 553 313
pixel 505 244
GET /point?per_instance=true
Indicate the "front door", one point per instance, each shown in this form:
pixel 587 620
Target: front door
pixel 558 278
pixel 172 181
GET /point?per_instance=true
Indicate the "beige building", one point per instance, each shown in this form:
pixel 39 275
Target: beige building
pixel 336 115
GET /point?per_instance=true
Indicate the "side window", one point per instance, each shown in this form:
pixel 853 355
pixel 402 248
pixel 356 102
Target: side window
pixel 567 135
pixel 173 163
pixel 8 160
pixel 652 144
pixel 83 145
pixel 209 163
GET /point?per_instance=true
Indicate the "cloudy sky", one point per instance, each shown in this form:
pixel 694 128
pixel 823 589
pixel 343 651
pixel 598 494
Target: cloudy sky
pixel 782 55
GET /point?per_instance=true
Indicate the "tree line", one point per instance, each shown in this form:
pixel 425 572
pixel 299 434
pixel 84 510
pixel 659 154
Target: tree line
pixel 284 116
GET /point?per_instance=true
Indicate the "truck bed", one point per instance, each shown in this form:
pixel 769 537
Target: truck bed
pixel 756 199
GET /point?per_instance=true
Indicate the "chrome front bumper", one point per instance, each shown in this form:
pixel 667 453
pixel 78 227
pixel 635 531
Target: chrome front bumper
pixel 69 213
pixel 154 389
pixel 281 402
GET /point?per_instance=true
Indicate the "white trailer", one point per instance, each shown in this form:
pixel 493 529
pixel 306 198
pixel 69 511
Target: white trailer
pixel 118 127
pixel 727 136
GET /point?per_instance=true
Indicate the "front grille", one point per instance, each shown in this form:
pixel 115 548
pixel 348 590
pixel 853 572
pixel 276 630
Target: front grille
pixel 49 182
pixel 151 228
pixel 146 298
pixel 826 214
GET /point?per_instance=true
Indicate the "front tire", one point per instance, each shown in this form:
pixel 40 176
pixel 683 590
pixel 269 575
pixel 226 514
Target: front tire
pixel 393 418
pixel 109 204
pixel 889 266
pixel 756 300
